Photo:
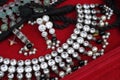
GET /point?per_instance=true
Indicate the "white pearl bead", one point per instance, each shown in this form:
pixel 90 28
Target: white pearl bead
pixel 94 49
pixel 49 25
pixel 103 18
pixel 90 53
pixel 44 34
pixel 46 18
pixel 52 31
pixel 48 42
pixel 39 21
pixel 42 28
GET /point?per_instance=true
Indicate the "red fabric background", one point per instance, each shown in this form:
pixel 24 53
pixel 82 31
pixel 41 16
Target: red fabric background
pixel 106 67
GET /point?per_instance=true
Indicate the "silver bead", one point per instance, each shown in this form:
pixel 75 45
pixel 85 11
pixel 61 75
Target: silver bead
pixel 37 75
pixel 87 21
pixel 92 5
pixel 76 55
pixel 43 65
pixel 73 36
pixel 103 18
pixel 41 59
pixel 61 74
pixel 48 56
pixel 58 59
pixel 28 76
pixel 86 43
pixel 86 6
pixel 76 45
pixel 51 62
pixel 81 49
pixel 83 34
pixel 68 70
pixel 28 69
pixel 80 40
pixel 101 24
pixel 1 74
pixel 4 68
pixel 69 60
pixel 80 20
pixel 20 69
pixel 65 46
pixel 89 37
pixel 70 50
pixel 59 49
pixel 89 53
pixel 79 25
pixel 19 76
pixel 27 62
pixel 94 49
pixel 6 61
pixel 92 30
pixel 1 59
pixel 34 61
pixel 64 55
pixel 10 76
pixel 13 62
pixel 78 6
pixel 62 65
pixel 54 53
pixel 20 63
pixel 86 28
pixel 87 11
pixel 46 71
pixel 11 69
pixel 76 31
pixel 36 67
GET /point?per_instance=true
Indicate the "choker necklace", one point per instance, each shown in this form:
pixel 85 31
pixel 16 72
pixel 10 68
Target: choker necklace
pixel 61 61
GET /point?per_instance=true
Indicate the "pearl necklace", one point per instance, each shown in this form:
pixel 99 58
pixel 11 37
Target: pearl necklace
pixel 61 61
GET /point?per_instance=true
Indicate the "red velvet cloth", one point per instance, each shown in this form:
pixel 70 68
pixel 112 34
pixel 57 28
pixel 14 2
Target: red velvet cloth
pixel 106 67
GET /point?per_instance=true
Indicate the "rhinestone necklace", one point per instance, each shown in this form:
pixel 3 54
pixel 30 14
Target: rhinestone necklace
pixel 61 62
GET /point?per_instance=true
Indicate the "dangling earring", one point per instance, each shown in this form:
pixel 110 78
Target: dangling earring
pixel 44 25
pixel 28 49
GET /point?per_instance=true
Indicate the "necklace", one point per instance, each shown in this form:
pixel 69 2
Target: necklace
pixel 61 61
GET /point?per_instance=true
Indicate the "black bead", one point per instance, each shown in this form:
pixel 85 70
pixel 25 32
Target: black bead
pixel 99 41
pixel 43 77
pixel 74 68
pixel 81 63
pixel 102 33
pixel 52 78
pixel 54 39
pixel 29 46
pixel 101 6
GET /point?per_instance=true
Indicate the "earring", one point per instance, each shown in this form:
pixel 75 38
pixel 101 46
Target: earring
pixel 46 25
pixel 28 48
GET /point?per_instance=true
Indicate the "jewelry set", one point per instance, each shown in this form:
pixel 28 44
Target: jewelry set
pixel 64 58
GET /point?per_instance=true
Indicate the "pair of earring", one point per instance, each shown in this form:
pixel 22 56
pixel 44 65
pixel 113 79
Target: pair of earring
pixel 46 27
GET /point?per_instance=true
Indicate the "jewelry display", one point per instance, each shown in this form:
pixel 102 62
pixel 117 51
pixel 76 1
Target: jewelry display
pixel 66 58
